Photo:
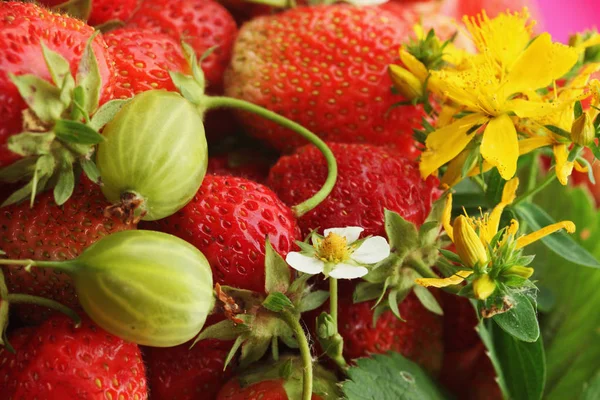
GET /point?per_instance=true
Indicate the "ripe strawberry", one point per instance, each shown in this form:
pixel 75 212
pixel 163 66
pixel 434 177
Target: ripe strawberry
pixel 57 361
pixel 143 60
pixel 103 11
pixel 50 232
pixel 273 381
pixel 184 373
pixel 22 27
pixel 324 67
pixel 228 220
pixel 370 180
pixel 201 23
pixel 419 338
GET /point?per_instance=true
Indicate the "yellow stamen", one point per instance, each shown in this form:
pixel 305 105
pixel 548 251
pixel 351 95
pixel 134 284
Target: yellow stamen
pixel 537 235
pixel 468 245
pixel 483 287
pixel 443 282
pixel 334 248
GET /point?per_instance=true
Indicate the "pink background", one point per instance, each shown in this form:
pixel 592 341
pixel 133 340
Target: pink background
pixel 563 17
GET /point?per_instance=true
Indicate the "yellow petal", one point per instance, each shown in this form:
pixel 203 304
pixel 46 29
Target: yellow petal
pixel 578 84
pixel 513 227
pixel 483 287
pixel 414 65
pixel 523 241
pixel 447 215
pixel 540 64
pixel 457 86
pixel 580 168
pixel 533 109
pixel 443 282
pixel 500 146
pixel 508 196
pixel 564 167
pixel 509 193
pixel 446 115
pixel 469 247
pixel 530 144
pixel 446 143
pixel 453 173
pixel 407 84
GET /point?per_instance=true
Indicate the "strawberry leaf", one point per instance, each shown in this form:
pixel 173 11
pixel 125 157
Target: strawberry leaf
pixel 278 302
pixel 66 179
pixel 106 113
pixel 428 300
pixel 31 143
pixel 389 377
pixel 277 272
pixel 59 68
pixel 313 300
pixel 90 169
pixel 41 96
pixel 88 77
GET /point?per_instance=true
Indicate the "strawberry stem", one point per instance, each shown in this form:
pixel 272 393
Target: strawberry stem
pixel 333 301
pixel 43 302
pixel 59 265
pixel 314 201
pixel 307 371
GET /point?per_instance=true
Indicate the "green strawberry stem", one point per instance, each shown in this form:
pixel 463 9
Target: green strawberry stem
pixel 41 301
pixel 65 266
pixel 333 301
pixel 307 371
pixel 308 205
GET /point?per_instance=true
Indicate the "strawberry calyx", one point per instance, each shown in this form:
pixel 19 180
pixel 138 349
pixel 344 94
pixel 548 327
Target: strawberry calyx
pixel 80 9
pixel 413 252
pixel 60 127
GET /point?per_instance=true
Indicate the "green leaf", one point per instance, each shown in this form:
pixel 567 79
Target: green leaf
pixel 560 243
pixel 521 320
pixel 40 95
pixel 59 68
pixel 523 365
pixel 66 179
pixel 277 272
pixel 76 132
pixel 313 300
pixel 451 256
pixel 18 170
pixel 31 143
pixel 253 350
pixel 88 77
pixel 365 291
pixel 236 345
pixel 403 235
pixel 106 113
pixel 495 186
pixel 223 330
pixel 484 329
pixel 428 300
pixel 578 110
pixel 277 302
pixel 592 389
pixel 389 377
pixel 188 87
pixel 90 169
pixel 559 131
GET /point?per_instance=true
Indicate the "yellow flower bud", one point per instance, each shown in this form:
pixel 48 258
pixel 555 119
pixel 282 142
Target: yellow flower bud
pixel 483 287
pixel 406 82
pixel 520 270
pixel 582 130
pixel 468 245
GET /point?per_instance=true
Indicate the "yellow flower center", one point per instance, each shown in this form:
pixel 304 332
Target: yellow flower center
pixel 334 248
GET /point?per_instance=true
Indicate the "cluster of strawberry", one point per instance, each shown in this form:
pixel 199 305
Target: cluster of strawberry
pixel 324 67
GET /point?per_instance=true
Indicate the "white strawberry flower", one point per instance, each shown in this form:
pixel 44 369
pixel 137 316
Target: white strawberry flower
pixel 339 254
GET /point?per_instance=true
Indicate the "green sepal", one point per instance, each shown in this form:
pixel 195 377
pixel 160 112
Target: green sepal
pixel 188 87
pixel 384 269
pixel 451 256
pixel 277 272
pixel 223 330
pixel 76 132
pixel 253 350
pixel 88 76
pixel 559 131
pixel 65 183
pixel 110 25
pixel 106 113
pixel 331 341
pixel 402 235
pixel 313 300
pixel 306 248
pixel 76 8
pixel 18 170
pixel 31 143
pixel 60 71
pixel 4 316
pixel 366 291
pixel 236 346
pixel 41 96
pixel 394 298
pixel 90 170
pixel 278 302
pixel 41 173
pixel 428 300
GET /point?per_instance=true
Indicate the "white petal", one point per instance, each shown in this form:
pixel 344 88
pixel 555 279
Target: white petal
pixel 351 233
pixel 306 264
pixel 347 271
pixel 372 250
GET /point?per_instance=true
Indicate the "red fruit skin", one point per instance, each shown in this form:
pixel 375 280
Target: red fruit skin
pixel 243 164
pixel 110 10
pixel 22 27
pixel 201 23
pixel 143 60
pixel 324 67
pixel 50 232
pixel 57 361
pixel 370 180
pixel 460 320
pixel 228 220
pixel 184 373
pixel 265 390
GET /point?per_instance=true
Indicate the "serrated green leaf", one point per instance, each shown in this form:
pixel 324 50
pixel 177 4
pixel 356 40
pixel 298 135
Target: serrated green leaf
pixel 521 320
pixel 523 365
pixel 389 377
pixel 106 113
pixel 277 272
pixel 88 77
pixel 277 302
pixel 40 95
pixel 76 132
pixel 403 236
pixel 313 300
pixel 428 300
pixel 560 242
pixel 31 143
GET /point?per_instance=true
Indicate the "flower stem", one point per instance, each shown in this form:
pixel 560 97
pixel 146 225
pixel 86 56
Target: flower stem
pixel 41 301
pixel 548 180
pixel 317 198
pixel 275 348
pixel 65 266
pixel 333 301
pixel 293 322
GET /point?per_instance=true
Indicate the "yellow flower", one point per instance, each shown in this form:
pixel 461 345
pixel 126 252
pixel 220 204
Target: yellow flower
pixel 487 225
pixel 409 80
pixel 483 287
pixel 491 92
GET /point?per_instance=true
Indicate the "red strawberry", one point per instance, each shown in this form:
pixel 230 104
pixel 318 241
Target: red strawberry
pixel 57 361
pixel 269 382
pixel 244 163
pixel 184 373
pixel 201 23
pixel 460 320
pixel 50 232
pixel 22 27
pixel 324 67
pixel 228 220
pixel 370 180
pixel 103 11
pixel 143 60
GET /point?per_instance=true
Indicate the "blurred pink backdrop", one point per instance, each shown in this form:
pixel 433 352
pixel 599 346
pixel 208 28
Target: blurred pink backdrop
pixel 564 17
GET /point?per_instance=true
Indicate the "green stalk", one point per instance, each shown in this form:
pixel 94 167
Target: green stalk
pixel 333 301
pixel 548 180
pixel 59 265
pixel 41 301
pixel 307 366
pixel 306 206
